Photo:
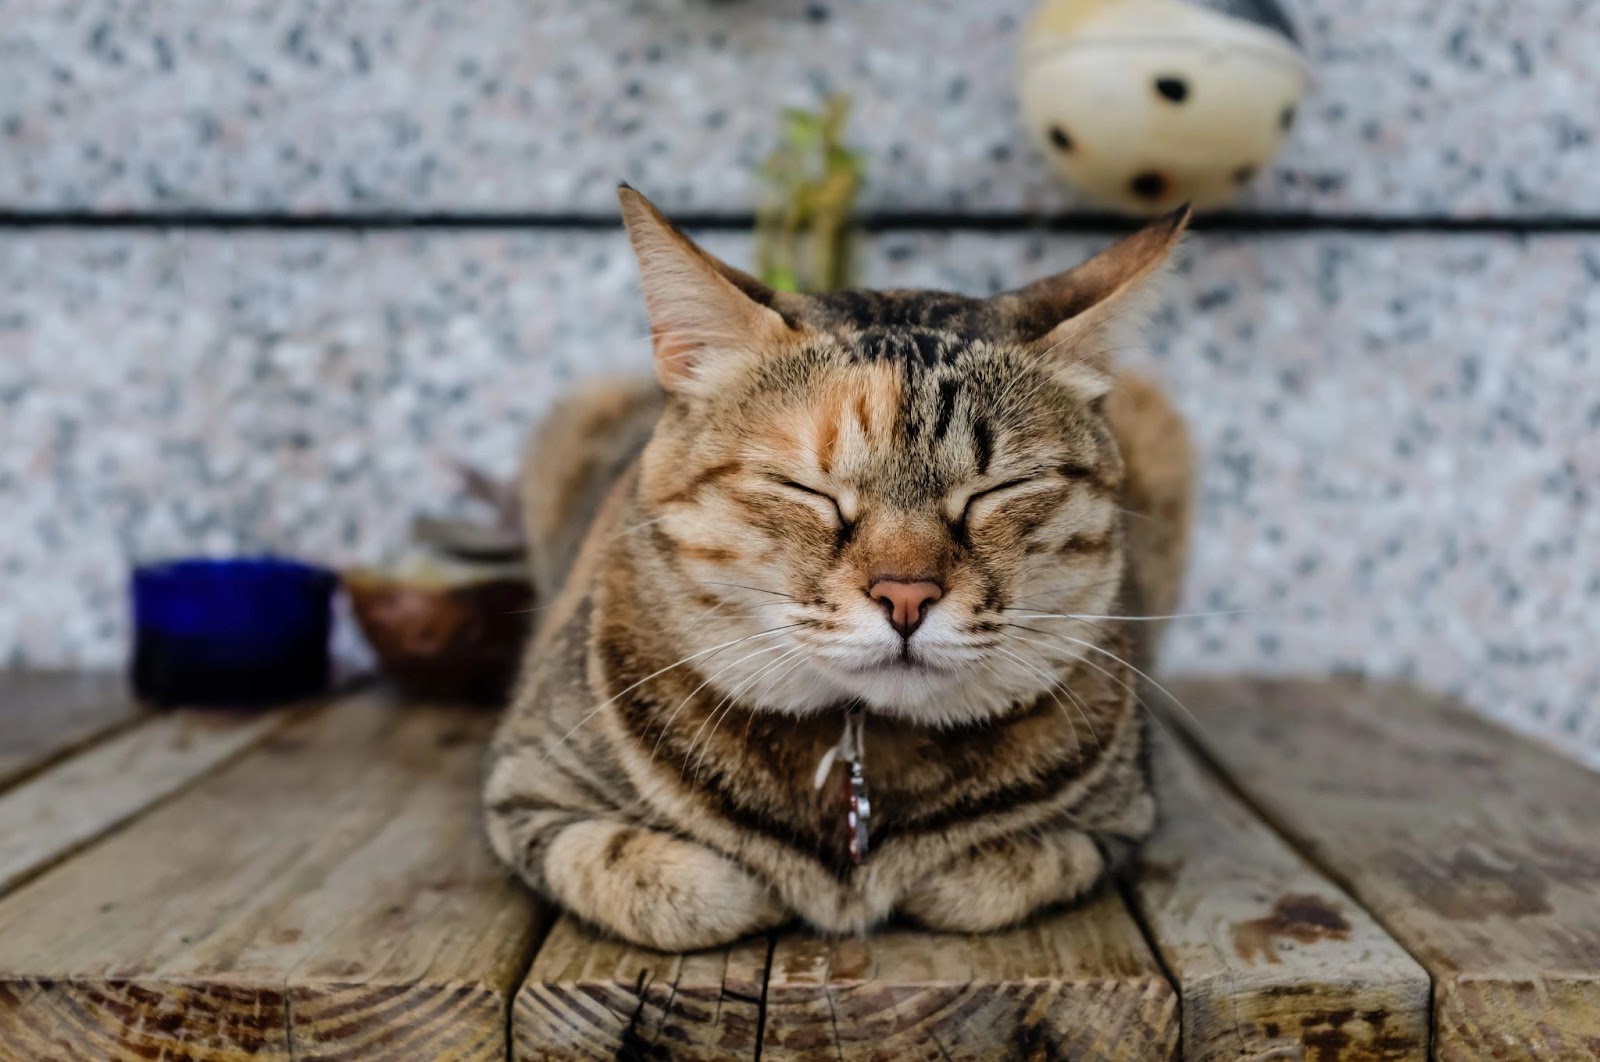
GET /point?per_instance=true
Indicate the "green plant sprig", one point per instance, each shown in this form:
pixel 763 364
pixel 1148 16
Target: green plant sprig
pixel 805 234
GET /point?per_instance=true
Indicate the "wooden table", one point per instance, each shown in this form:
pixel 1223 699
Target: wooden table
pixel 1344 871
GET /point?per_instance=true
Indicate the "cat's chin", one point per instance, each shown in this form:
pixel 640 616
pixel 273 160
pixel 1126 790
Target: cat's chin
pixel 916 690
pixel 924 695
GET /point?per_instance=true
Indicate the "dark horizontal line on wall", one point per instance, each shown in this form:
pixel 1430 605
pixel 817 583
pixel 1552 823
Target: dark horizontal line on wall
pixel 877 221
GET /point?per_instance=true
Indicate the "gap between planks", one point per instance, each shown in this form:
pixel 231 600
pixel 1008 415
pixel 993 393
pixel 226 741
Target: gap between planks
pixel 1075 983
pixel 318 899
pixel 785 1005
pixel 1078 983
pixel 1477 850
pixel 69 806
pixel 46 716
pixel 1271 958
pixel 594 998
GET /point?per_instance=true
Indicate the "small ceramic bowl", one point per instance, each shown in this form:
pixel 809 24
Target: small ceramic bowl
pixel 244 630
pixel 445 629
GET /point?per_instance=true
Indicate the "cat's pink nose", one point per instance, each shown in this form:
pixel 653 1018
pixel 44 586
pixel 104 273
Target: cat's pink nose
pixel 905 603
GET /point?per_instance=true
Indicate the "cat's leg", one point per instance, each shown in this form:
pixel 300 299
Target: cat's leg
pixel 1158 492
pixel 573 457
pixel 646 886
pixel 656 889
pixel 1003 882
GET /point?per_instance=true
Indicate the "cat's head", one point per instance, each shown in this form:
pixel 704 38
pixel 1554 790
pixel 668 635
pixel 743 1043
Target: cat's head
pixel 874 495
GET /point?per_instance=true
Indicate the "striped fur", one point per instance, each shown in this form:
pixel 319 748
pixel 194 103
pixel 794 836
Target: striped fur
pixel 654 774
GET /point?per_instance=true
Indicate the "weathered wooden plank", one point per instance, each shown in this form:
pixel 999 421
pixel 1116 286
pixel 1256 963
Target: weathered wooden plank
pixel 326 897
pixel 423 966
pixel 1078 984
pixel 46 714
pixel 1272 960
pixel 589 997
pixel 90 794
pixel 1477 850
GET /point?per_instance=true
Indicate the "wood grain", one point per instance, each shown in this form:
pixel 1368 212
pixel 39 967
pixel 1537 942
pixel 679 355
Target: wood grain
pixel 46 714
pixel 88 795
pixel 588 997
pixel 1272 960
pixel 1077 984
pixel 1478 851
pixel 327 897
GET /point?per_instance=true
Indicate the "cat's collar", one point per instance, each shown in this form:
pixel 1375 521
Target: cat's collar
pixel 851 748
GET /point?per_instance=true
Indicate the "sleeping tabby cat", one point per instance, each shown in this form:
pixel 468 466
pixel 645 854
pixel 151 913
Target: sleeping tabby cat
pixel 931 514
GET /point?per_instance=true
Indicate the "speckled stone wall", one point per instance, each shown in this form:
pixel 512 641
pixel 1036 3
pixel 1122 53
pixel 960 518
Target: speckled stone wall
pixel 1400 429
pixel 1469 108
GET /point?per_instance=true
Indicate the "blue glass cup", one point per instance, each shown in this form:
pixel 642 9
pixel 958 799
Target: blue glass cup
pixel 244 631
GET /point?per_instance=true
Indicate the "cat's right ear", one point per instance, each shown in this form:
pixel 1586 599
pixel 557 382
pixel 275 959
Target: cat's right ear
pixel 707 319
pixel 1073 316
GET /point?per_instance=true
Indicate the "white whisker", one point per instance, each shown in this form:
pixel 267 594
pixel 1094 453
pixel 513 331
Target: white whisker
pixel 692 656
pixel 718 711
pixel 1136 619
pixel 667 725
pixel 1142 674
pixel 1052 683
pixel 1134 693
pixel 637 527
pixel 757 589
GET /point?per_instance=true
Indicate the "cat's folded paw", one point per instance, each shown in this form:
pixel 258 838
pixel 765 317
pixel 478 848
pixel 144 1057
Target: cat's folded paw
pixel 657 890
pixel 1003 883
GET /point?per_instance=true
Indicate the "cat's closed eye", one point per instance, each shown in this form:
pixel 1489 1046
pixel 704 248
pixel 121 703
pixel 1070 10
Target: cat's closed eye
pixel 838 509
pixel 999 489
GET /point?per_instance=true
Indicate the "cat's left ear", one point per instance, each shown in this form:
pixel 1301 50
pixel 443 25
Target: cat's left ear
pixel 1071 315
pixel 707 319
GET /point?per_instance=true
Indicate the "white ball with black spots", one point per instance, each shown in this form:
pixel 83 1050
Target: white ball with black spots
pixel 1146 104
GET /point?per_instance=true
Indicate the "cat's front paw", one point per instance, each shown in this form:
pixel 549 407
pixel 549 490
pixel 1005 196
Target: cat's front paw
pixel 657 890
pixel 1002 883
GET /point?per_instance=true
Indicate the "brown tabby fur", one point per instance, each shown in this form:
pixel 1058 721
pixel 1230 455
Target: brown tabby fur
pixel 654 774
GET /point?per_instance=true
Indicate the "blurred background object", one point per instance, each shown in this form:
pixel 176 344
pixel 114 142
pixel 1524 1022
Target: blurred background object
pixel 445 628
pixel 804 237
pixel 449 618
pixel 248 630
pixel 266 267
pixel 1148 104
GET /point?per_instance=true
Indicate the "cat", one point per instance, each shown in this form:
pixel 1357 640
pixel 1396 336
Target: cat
pixel 918 514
